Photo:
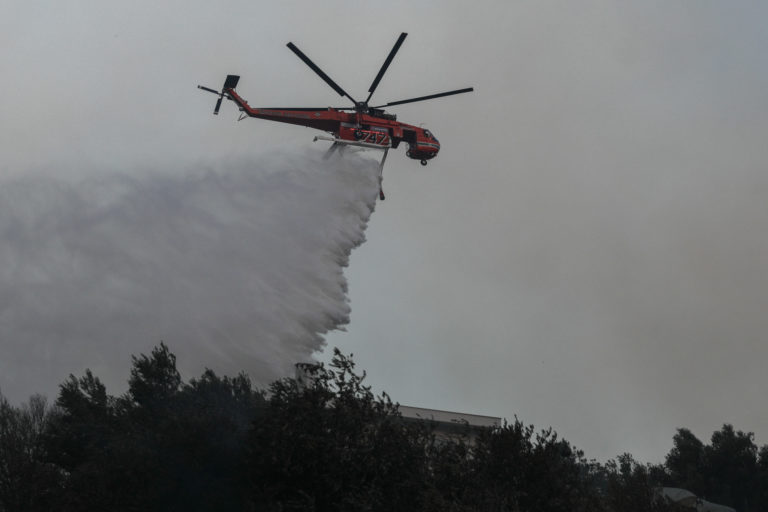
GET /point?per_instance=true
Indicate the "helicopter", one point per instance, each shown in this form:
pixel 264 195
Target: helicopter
pixel 359 125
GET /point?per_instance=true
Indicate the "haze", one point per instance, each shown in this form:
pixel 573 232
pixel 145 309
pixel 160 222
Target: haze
pixel 588 251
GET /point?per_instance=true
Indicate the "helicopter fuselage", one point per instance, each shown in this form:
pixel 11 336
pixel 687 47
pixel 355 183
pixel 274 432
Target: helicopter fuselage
pixel 379 130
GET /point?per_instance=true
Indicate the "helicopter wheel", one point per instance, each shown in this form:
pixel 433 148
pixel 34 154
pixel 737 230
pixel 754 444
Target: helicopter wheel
pixel 358 134
pixel 423 162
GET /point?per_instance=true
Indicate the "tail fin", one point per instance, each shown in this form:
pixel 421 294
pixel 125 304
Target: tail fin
pixel 231 82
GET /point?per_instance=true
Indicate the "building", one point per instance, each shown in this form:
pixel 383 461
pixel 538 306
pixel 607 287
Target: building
pixel 688 499
pixel 449 424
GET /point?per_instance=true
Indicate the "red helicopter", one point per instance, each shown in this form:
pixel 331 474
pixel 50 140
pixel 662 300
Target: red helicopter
pixel 360 125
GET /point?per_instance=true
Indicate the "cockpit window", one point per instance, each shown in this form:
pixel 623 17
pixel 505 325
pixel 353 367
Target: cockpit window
pixel 428 134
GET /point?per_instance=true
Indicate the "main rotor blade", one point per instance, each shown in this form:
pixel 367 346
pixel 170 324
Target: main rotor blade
pixel 319 71
pixel 431 96
pixel 385 65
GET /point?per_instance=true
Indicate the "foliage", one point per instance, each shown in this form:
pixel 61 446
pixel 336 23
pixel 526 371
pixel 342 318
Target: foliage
pixel 27 482
pixel 631 487
pixel 730 470
pixel 685 461
pixel 513 468
pixel 324 442
pixel 327 444
pixel 163 445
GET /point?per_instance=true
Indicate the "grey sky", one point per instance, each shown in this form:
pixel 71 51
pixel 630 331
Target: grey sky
pixel 588 250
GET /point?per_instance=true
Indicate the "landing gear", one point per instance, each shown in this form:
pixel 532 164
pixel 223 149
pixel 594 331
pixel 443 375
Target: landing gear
pixel 423 162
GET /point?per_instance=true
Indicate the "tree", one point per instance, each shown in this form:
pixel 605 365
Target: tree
pixel 164 445
pixel 726 471
pixel 514 468
pixel 761 497
pixel 450 477
pixel 27 482
pixel 685 462
pixel 154 379
pixel 630 487
pixel 326 443
pixel 731 469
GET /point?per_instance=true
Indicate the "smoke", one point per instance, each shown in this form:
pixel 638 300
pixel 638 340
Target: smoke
pixel 235 267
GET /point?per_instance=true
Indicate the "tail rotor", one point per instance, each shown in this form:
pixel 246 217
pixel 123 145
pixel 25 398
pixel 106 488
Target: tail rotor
pixel 229 83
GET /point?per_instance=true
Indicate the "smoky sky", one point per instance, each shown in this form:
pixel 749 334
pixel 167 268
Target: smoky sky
pixel 236 267
pixel 587 251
